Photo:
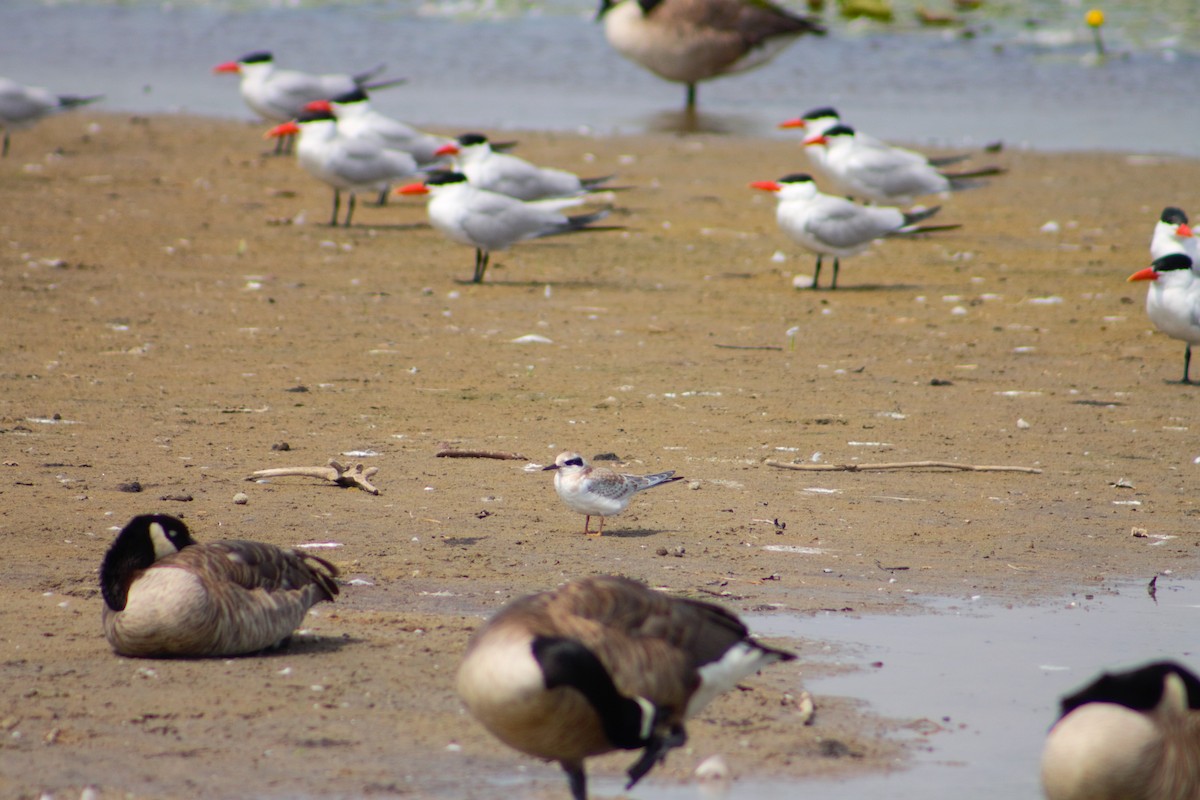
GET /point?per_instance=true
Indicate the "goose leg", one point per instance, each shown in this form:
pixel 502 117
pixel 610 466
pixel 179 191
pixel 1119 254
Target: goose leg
pixel 577 780
pixel 655 751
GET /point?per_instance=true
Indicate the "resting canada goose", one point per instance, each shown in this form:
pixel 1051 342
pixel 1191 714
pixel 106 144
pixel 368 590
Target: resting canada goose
pixel 688 41
pixel 165 595
pixel 1127 736
pixel 600 664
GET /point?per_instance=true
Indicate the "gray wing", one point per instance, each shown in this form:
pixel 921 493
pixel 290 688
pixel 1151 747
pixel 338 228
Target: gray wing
pixel 842 224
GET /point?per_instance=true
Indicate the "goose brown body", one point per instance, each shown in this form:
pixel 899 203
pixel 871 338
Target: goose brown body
pixel 688 41
pixel 660 659
pixel 166 596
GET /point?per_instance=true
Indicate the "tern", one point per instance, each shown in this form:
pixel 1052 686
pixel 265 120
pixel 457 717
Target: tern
pixel 1173 302
pixel 279 95
pixel 22 107
pixel 167 596
pixel 601 664
pixel 1172 234
pixel 513 176
pixel 599 491
pixel 688 41
pixel 835 226
pixel 356 119
pixel 491 221
pixel 819 120
pixel 356 165
pixel 1133 734
pixel 879 173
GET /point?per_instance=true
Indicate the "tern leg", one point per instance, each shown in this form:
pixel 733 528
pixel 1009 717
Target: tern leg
pixel 350 208
pixel 816 272
pixel 383 197
pixel 1187 364
pixel 5 152
pixel 337 205
pixel 481 264
pixel 836 266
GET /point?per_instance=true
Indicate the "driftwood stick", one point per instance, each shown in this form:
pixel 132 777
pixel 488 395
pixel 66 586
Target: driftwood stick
pixel 356 476
pixel 899 465
pixel 452 453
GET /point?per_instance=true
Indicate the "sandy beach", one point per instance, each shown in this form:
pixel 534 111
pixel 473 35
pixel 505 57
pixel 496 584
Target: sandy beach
pixel 176 311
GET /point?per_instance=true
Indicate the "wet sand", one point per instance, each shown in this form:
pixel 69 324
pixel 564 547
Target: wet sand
pixel 175 307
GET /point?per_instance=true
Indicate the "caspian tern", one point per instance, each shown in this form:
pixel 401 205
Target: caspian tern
pixel 688 41
pixel 355 165
pixel 1172 234
pixel 599 491
pixel 883 174
pixel 22 107
pixel 834 226
pixel 279 95
pixel 1173 302
pixel 490 221
pixel 819 120
pixel 356 119
pixel 513 176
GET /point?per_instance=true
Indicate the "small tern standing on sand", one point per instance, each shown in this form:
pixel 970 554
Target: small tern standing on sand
pixel 490 221
pixel 599 491
pixel 883 174
pixel 22 107
pixel 835 226
pixel 688 41
pixel 513 176
pixel 355 165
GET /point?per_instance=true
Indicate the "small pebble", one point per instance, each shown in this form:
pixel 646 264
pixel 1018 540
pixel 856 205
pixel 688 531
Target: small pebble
pixel 241 498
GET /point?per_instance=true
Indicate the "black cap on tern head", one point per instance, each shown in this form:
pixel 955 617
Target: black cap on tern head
pixel 257 57
pixel 839 130
pixel 445 178
pixel 356 95
pixel 468 139
pixel 821 113
pixel 315 116
pixel 1173 216
pixel 796 177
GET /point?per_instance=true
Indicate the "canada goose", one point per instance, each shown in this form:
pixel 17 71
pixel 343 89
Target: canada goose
pixel 599 491
pixel 1131 735
pixel 600 664
pixel 165 595
pixel 688 41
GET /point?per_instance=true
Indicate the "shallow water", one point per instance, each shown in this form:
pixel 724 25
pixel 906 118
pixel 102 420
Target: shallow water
pixel 546 65
pixel 983 678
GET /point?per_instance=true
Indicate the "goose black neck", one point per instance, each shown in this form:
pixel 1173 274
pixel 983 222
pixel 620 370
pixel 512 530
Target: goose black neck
pixel 567 663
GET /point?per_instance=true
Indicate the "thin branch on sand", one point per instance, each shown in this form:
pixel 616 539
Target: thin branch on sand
pixel 452 453
pixel 950 465
pixel 355 476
